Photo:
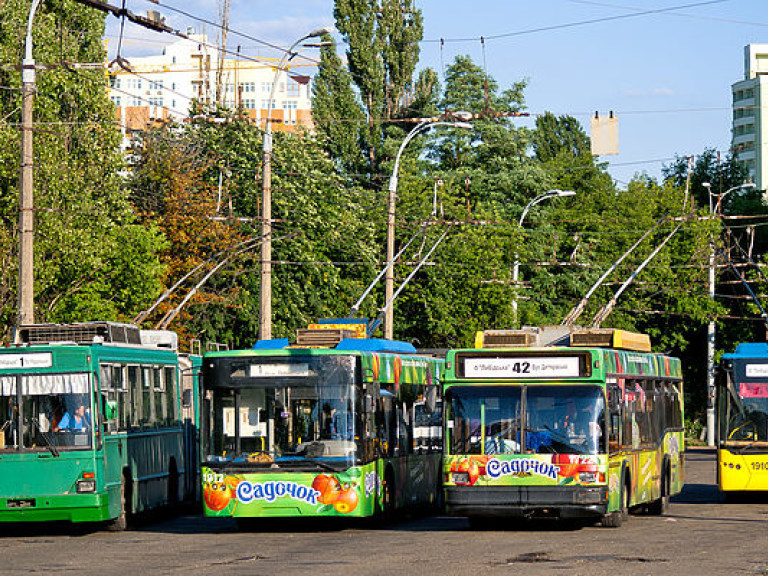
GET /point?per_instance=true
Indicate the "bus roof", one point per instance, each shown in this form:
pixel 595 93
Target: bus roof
pixel 748 350
pixel 347 345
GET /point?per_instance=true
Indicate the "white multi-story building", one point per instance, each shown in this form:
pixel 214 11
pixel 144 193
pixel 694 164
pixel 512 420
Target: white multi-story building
pixel 160 88
pixel 749 140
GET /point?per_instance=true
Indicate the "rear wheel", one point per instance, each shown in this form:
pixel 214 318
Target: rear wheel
pixel 388 497
pixel 659 507
pixel 120 523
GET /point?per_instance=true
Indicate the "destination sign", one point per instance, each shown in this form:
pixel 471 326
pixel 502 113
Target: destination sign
pixel 274 370
pixel 31 360
pixel 757 370
pixel 523 367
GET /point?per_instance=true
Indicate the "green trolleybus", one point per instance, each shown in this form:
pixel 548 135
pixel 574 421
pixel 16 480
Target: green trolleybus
pixel 323 428
pixel 90 423
pixel 561 424
pixel 742 398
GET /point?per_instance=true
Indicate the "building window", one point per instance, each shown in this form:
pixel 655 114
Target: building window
pixel 249 103
pixel 248 87
pixel 114 82
pixel 293 88
pixel 266 87
pixel 115 100
pixel 289 108
pixel 265 104
pixel 155 101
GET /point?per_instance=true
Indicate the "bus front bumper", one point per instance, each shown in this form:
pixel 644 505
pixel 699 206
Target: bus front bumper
pixel 527 501
pixel 70 507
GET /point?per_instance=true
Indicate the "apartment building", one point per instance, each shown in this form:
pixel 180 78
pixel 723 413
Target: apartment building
pixel 163 87
pixel 749 140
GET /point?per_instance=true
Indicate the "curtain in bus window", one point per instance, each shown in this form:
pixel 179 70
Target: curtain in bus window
pixel 38 385
pixel 7 385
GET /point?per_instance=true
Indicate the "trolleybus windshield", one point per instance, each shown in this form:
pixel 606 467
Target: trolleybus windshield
pixel 45 412
pixel 289 412
pixel 748 410
pixel 555 419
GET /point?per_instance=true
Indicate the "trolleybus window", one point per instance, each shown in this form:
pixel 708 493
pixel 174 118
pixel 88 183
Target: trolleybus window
pixel 290 409
pixel 557 419
pixel 55 411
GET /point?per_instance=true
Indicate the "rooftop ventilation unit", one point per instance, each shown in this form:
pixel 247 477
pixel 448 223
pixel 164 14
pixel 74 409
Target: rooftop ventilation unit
pixel 321 338
pixel 80 333
pixel 610 338
pixel 527 337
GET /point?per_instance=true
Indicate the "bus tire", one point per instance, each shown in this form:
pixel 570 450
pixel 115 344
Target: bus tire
pixel 388 497
pixel 120 523
pixel 616 518
pixel 659 507
pixel 173 485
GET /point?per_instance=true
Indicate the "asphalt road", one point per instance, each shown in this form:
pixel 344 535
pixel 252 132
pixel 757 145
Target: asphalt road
pixel 700 536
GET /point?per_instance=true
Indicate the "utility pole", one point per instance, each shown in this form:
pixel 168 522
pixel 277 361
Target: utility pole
pixel 265 299
pixel 26 289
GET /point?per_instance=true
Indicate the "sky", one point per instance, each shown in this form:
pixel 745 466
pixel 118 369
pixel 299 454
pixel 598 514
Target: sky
pixel 664 67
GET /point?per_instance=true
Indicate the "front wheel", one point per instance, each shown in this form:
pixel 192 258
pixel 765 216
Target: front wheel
pixel 617 518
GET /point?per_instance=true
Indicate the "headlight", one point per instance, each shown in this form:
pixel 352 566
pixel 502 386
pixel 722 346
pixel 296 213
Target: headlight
pixel 588 476
pixel 84 486
pixel 460 478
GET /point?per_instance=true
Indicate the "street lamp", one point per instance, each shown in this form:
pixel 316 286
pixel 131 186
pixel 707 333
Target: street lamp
pixel 711 324
pixel 265 308
pixel 390 278
pixel 540 198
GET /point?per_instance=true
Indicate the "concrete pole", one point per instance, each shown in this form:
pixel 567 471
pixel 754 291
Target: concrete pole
pixel 389 279
pixel 265 303
pixel 26 181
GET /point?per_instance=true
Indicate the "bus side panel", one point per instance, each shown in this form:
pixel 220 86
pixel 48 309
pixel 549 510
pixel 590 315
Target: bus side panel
pixel 674 447
pixel 114 462
pixel 149 456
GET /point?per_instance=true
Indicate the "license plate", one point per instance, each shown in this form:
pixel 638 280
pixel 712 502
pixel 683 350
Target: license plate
pixel 21 503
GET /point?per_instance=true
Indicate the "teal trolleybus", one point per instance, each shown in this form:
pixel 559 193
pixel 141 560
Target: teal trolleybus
pixel 742 399
pixel 584 429
pixel 90 424
pixel 323 428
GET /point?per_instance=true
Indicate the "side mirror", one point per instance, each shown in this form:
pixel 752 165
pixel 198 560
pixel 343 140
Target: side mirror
pixel 110 410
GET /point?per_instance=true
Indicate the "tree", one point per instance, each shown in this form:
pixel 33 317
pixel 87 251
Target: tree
pixel 336 112
pixel 383 38
pixel 84 268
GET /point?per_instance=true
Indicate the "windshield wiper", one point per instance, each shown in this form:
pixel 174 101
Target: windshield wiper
pixel 47 437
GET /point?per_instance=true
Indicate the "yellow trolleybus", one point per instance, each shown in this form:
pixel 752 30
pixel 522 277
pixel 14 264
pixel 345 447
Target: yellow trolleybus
pixel 742 399
pixel 553 423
